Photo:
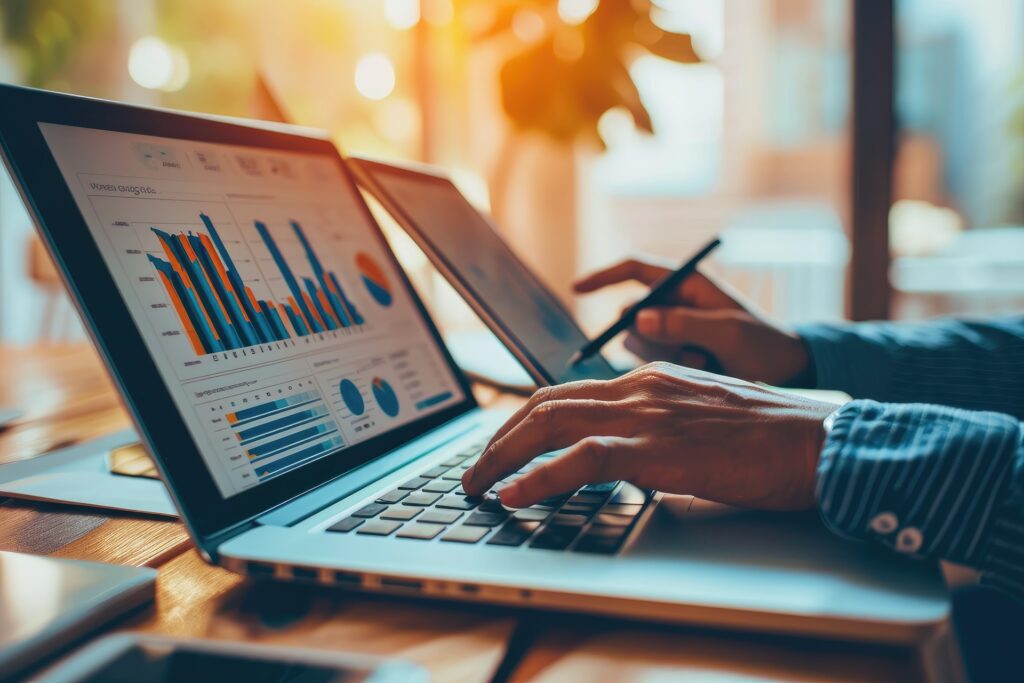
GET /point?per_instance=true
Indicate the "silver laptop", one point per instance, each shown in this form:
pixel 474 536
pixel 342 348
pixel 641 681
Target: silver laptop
pixel 311 425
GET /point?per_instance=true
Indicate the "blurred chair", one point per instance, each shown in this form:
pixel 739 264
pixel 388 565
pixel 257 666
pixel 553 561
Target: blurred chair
pixel 57 321
pixel 790 257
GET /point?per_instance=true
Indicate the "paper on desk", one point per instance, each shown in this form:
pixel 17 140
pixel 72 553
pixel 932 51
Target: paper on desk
pixel 80 475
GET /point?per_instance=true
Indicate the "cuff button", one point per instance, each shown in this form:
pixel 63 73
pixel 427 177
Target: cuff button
pixel 909 540
pixel 884 523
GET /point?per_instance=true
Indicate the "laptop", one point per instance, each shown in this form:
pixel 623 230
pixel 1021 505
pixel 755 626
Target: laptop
pixel 310 424
pixel 464 245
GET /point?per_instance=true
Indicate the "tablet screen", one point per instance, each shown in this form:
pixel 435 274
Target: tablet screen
pixel 271 306
pixel 494 276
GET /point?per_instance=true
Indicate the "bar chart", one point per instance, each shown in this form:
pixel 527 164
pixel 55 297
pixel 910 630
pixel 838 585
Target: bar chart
pixel 284 427
pixel 219 312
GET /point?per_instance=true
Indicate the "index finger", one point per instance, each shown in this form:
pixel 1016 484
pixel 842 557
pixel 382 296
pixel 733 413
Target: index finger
pixel 624 271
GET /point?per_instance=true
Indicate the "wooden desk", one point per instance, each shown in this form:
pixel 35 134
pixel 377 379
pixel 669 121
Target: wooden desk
pixel 69 398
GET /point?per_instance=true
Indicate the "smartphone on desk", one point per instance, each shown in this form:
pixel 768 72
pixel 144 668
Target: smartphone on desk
pixel 142 658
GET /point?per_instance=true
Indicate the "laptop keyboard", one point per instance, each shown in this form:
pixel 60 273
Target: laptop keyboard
pixel 597 518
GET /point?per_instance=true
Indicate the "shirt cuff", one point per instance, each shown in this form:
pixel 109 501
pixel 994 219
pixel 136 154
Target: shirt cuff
pixel 842 360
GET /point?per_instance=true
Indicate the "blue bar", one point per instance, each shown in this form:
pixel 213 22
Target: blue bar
pixel 293 420
pixel 286 273
pixel 318 271
pixel 297 321
pixel 202 289
pixel 433 400
pixel 290 441
pixel 233 277
pixel 248 333
pixel 195 316
pixel 246 414
pixel 356 318
pixel 328 319
pixel 312 452
pixel 275 321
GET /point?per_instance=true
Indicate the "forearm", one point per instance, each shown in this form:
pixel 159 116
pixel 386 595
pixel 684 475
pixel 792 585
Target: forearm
pixel 971 365
pixel 929 481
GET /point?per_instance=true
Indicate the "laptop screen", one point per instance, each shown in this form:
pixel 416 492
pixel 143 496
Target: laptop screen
pixel 490 271
pixel 276 317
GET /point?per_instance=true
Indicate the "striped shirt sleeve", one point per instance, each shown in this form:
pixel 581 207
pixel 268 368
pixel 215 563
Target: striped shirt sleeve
pixel 976 365
pixel 930 481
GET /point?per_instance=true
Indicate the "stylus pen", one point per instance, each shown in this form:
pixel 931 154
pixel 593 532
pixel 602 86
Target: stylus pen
pixel 659 291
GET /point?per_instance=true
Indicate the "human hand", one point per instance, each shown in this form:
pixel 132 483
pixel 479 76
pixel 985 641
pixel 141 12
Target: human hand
pixel 661 427
pixel 703 316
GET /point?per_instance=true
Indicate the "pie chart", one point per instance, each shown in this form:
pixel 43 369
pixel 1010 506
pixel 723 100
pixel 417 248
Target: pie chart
pixel 373 278
pixel 351 396
pixel 385 396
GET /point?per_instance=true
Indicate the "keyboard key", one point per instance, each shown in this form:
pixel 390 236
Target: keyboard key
pixel 434 472
pixel 466 534
pixel 401 513
pixel 485 519
pixel 613 520
pixel 439 517
pixel 454 474
pixel 617 509
pixel 604 487
pixel 574 509
pixel 378 528
pixel 513 533
pixel 458 503
pixel 555 501
pixel 607 531
pixel 422 499
pixel 440 486
pixel 346 525
pixel 629 495
pixel 454 461
pixel 392 497
pixel 587 499
pixel 598 545
pixel 491 504
pixel 568 520
pixel 371 510
pixel 414 484
pixel 531 515
pixel 554 538
pixel 424 532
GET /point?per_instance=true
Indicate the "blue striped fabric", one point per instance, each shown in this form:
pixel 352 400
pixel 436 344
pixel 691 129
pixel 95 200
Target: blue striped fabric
pixel 936 470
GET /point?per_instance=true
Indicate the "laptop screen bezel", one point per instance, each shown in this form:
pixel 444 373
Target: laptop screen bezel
pixel 111 325
pixel 367 171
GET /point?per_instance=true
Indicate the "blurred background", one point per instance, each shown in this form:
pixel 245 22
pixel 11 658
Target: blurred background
pixel 862 159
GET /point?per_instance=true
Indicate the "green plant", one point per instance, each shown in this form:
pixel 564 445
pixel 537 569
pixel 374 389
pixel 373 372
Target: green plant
pixel 45 34
pixel 571 74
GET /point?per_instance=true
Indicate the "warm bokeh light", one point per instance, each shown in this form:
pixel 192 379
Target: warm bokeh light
pixel 155 65
pixel 375 76
pixel 438 12
pixel 527 25
pixel 397 120
pixel 576 11
pixel 402 14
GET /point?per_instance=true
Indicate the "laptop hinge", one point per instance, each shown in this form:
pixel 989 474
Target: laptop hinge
pixel 330 492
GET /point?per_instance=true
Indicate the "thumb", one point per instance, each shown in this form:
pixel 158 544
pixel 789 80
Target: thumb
pixel 711 330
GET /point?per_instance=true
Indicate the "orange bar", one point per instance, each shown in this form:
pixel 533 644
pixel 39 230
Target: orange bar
pixel 312 310
pixel 232 418
pixel 286 321
pixel 327 306
pixel 185 280
pixel 298 313
pixel 218 265
pixel 183 316
pixel 213 290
